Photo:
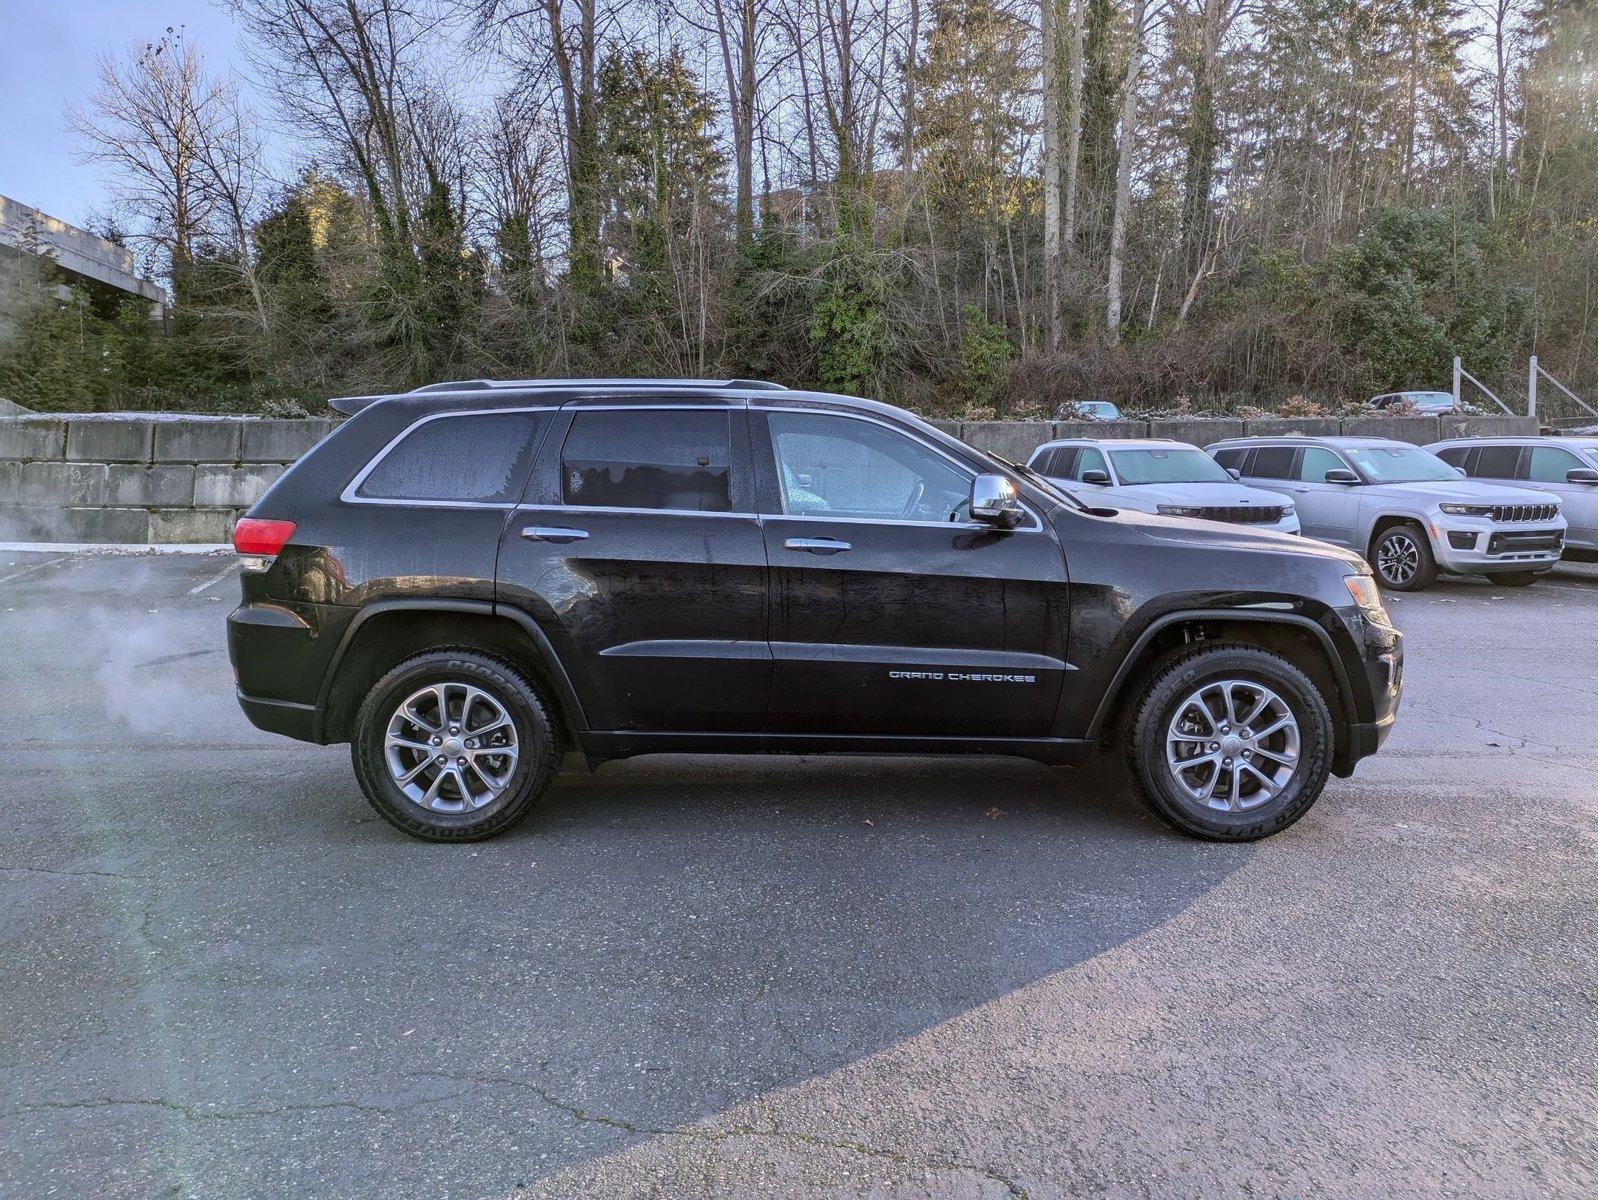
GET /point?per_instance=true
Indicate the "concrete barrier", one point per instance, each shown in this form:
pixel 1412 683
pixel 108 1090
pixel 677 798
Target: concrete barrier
pixel 158 477
pixel 139 477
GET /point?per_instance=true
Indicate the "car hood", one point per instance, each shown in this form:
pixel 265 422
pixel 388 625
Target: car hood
pixel 1219 536
pixel 1464 491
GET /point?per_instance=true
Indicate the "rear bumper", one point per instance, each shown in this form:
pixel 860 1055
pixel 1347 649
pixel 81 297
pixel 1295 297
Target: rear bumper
pixel 281 716
pixel 279 654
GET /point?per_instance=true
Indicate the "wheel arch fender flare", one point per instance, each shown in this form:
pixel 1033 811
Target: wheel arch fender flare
pixel 558 676
pixel 1135 657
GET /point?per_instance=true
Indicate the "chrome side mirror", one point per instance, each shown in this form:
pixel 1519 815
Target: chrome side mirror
pixel 994 501
pixel 1096 478
pixel 1235 474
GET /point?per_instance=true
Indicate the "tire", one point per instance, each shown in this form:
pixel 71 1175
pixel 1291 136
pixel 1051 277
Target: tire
pixel 1251 672
pixel 1515 578
pixel 465 805
pixel 1411 565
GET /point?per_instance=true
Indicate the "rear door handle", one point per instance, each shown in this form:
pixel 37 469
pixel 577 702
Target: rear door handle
pixel 817 545
pixel 553 533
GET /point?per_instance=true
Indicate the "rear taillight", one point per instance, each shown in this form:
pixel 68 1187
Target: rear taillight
pixel 254 537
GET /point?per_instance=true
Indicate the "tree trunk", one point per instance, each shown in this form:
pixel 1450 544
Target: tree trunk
pixel 1053 252
pixel 1073 132
pixel 1123 173
pixel 1202 140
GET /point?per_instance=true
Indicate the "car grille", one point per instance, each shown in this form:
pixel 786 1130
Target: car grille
pixel 1242 514
pixel 1523 543
pixel 1525 512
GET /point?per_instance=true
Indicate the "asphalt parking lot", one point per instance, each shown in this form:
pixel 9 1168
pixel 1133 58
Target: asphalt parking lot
pixel 224 976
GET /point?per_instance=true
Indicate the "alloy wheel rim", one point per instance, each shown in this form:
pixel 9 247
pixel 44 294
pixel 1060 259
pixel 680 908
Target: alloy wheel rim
pixel 1232 745
pixel 1398 558
pixel 451 748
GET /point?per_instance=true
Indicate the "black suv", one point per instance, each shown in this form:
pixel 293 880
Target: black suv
pixel 466 581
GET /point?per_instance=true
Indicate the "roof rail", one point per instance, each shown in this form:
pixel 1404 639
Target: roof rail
pixel 472 385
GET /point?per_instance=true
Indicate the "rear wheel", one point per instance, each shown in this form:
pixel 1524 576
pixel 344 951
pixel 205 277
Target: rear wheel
pixel 1230 742
pixel 1402 558
pixel 453 745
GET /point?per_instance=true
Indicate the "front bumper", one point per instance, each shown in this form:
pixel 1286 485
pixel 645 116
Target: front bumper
pixel 1377 677
pixel 1467 544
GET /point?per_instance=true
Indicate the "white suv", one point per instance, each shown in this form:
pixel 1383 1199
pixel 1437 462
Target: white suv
pixel 1158 476
pixel 1405 509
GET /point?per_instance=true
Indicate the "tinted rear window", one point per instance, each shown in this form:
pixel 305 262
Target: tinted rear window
pixel 1273 462
pixel 1232 457
pixel 674 459
pixel 481 458
pixel 1496 462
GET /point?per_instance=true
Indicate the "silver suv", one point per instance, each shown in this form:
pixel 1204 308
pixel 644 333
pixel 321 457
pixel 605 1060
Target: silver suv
pixel 1405 509
pixel 1567 467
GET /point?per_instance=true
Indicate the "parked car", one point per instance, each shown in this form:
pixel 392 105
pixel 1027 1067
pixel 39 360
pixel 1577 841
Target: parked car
pixel 1405 509
pixel 464 584
pixel 1158 476
pixel 1088 410
pixel 1566 467
pixel 1423 404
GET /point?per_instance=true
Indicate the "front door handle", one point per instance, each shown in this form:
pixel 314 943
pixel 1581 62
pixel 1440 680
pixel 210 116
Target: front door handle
pixel 817 545
pixel 553 533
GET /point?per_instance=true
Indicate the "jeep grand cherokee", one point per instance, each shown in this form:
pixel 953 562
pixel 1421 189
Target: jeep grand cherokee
pixel 467 581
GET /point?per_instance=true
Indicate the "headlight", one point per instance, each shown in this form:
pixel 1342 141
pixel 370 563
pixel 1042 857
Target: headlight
pixel 1467 510
pixel 1369 598
pixel 1178 510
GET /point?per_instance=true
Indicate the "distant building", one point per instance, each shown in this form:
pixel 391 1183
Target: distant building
pixel 103 266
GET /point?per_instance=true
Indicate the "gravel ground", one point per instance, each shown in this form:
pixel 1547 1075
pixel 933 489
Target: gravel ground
pixel 224 976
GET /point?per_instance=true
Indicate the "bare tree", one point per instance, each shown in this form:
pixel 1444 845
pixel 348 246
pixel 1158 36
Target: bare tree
pixel 169 134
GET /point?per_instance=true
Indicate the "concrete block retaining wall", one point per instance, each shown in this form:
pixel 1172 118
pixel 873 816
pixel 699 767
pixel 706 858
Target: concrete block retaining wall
pixel 143 478
pixel 139 478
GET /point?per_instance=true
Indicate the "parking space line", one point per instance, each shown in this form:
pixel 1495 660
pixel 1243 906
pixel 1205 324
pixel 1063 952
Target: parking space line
pixel 214 580
pixel 50 562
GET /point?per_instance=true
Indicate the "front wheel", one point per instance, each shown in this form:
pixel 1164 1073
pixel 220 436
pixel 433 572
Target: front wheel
pixel 453 746
pixel 1402 559
pixel 1230 742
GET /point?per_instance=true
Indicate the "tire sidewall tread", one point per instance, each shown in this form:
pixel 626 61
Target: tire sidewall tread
pixel 535 731
pixel 1182 672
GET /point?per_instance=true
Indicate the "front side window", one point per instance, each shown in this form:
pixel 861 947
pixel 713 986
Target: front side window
pixel 1316 462
pixel 648 458
pixel 840 467
pixel 1401 464
pixel 1167 466
pixel 1550 464
pixel 479 458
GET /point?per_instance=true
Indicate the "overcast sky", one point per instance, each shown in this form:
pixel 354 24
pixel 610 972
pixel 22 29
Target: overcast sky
pixel 47 61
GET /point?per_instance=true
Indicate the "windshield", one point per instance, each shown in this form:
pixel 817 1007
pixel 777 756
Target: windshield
pixel 1167 466
pixel 1429 398
pixel 1401 464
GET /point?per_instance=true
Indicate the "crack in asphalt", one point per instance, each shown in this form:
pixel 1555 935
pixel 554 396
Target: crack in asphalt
pixel 775 1132
pixel 96 874
pixel 190 1112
